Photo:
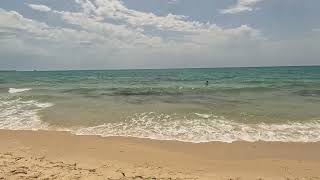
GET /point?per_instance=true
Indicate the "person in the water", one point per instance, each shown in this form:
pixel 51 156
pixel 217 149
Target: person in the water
pixel 207 83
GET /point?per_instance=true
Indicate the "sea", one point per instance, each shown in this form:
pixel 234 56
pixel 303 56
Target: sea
pixel 238 104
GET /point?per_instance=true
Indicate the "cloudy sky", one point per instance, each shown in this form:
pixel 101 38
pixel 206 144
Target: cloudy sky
pixel 109 34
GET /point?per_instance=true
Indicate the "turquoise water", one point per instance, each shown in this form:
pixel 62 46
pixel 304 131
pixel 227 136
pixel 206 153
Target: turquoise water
pixel 239 104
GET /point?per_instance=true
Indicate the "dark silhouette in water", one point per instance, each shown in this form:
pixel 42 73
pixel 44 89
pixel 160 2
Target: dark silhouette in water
pixel 207 83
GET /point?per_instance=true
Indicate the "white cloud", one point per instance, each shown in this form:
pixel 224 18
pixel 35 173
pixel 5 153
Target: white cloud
pixel 116 10
pixel 39 7
pixel 99 10
pixel 241 6
pixel 107 32
pixel 15 22
pixel 131 30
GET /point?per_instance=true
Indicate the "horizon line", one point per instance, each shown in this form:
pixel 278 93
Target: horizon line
pixel 178 68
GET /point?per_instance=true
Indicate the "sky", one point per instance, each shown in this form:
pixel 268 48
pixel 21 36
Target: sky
pixel 125 34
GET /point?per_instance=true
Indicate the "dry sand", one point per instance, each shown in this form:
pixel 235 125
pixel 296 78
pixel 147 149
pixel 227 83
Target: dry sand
pixel 60 155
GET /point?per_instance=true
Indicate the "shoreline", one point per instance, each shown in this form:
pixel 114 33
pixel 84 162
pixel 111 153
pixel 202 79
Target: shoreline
pixel 61 155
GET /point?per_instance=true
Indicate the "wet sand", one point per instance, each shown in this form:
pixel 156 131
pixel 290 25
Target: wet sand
pixel 60 155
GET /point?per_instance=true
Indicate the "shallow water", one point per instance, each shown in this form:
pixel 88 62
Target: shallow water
pixel 250 104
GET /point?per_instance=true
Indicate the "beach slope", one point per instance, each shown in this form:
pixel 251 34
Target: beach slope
pixel 60 155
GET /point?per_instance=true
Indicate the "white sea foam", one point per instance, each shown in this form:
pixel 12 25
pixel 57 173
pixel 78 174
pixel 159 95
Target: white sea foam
pixel 15 90
pixel 18 114
pixel 21 115
pixel 203 115
pixel 205 128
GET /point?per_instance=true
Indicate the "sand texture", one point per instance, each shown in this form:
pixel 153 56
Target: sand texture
pixel 60 155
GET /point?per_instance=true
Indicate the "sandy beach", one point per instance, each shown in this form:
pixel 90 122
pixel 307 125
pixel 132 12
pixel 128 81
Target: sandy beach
pixel 159 90
pixel 60 155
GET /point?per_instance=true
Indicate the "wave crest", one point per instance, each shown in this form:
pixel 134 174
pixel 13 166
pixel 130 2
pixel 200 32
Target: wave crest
pixel 15 90
pixel 21 115
pixel 204 128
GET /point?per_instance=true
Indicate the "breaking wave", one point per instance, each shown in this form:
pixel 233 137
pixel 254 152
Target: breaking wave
pixel 17 114
pixel 15 90
pixel 204 128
